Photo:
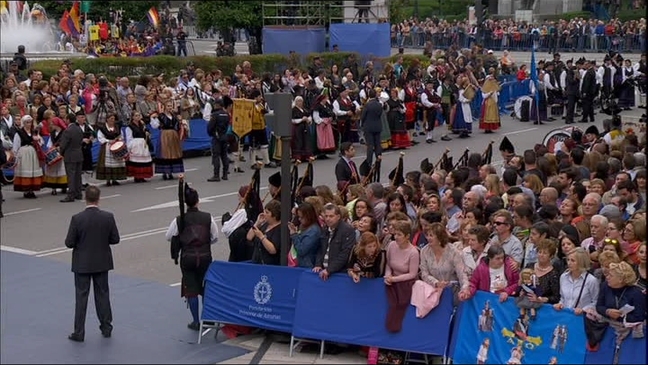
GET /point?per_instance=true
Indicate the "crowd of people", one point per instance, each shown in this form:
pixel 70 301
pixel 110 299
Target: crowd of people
pixel 564 35
pixel 558 216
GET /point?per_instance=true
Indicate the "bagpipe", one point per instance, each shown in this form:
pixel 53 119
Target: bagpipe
pixel 294 173
pixel 371 174
pixel 487 155
pixel 299 182
pixel 463 160
pixel 396 176
pixel 443 163
pixel 249 207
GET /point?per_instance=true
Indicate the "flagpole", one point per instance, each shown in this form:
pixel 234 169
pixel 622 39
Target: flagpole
pixel 536 84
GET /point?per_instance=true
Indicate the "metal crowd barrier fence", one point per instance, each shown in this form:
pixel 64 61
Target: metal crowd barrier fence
pixel 634 43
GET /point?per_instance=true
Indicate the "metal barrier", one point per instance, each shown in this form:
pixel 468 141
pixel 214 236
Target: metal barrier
pixel 523 41
pixel 193 49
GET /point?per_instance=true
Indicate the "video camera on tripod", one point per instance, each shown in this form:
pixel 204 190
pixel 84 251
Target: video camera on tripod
pixel 104 88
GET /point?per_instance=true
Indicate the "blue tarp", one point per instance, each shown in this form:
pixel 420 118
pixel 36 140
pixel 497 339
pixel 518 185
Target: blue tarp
pixel 365 39
pixel 302 41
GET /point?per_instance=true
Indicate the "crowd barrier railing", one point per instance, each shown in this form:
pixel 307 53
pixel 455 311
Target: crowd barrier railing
pixel 633 43
pixel 298 302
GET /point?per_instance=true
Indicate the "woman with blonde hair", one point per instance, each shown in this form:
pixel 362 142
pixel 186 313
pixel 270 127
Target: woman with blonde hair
pixel 619 291
pixel 533 182
pixel 492 185
pixel 367 259
pixel 579 289
pixel 441 264
pixel 325 192
pixel 634 234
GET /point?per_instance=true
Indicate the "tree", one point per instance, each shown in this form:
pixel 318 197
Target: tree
pixel 135 10
pixel 225 15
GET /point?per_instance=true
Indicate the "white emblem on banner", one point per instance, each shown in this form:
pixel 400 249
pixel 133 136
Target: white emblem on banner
pixel 262 291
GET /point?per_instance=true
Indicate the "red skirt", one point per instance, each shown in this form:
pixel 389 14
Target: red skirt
pixel 410 114
pixel 139 170
pixel 400 140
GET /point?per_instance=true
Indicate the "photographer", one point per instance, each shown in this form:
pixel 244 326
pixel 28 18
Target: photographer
pixel 104 105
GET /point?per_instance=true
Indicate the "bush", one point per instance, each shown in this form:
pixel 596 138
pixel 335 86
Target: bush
pixel 133 67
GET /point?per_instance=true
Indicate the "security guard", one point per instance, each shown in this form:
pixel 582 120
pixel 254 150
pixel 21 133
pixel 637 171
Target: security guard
pixel 219 123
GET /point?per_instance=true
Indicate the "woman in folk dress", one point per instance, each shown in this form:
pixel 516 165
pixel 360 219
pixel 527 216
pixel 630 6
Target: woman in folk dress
pixel 462 123
pixel 140 163
pixel 28 174
pixel 490 118
pixel 168 152
pixel 302 148
pixel 323 117
pixel 55 176
pixel 110 168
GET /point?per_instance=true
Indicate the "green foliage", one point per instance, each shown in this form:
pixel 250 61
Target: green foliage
pixel 228 14
pixel 441 9
pixel 133 67
pixel 135 10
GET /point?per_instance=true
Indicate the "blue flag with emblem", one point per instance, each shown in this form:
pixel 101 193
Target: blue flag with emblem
pixel 500 333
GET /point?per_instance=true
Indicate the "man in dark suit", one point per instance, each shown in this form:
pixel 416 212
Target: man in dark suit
pixel 338 239
pixel 90 235
pixel 70 146
pixel 588 92
pixel 372 126
pixel 346 171
pixel 571 91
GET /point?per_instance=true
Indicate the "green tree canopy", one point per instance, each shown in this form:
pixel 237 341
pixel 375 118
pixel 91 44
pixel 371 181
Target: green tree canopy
pixel 135 10
pixel 229 14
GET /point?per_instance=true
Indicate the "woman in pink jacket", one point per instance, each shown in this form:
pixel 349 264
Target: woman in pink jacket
pixel 496 273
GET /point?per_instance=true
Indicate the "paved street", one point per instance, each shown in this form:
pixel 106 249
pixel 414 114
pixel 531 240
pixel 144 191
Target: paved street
pixel 143 211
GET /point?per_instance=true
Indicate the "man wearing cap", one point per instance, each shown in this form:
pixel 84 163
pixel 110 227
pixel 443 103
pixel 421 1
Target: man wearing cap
pixel 217 130
pixel 192 233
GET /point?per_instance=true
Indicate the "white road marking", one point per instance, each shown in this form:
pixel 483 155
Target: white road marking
pixel 22 211
pixel 521 131
pixel 110 196
pixel 169 186
pixel 175 284
pixel 174 203
pixel 17 250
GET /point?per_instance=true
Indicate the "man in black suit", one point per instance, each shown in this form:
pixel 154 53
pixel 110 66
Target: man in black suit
pixel 571 91
pixel 70 146
pixel 588 92
pixel 372 126
pixel 338 239
pixel 346 171
pixel 90 235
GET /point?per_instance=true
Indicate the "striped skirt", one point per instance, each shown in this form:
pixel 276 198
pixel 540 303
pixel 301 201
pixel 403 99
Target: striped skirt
pixel 55 176
pixel 28 174
pixel 168 159
pixel 110 168
pixel 140 163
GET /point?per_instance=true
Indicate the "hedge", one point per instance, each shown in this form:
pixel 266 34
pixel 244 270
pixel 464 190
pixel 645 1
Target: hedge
pixel 113 67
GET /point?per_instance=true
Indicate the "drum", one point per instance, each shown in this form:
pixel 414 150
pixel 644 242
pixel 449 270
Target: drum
pixel 52 156
pixel 119 150
pixel 557 137
pixel 11 160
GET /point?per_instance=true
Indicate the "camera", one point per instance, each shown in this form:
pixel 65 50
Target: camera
pixel 104 87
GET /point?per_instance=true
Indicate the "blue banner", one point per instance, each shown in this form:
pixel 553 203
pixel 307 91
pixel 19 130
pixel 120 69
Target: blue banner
pixel 260 296
pixel 283 40
pixel 339 310
pixel 496 333
pixel 632 351
pixel 363 38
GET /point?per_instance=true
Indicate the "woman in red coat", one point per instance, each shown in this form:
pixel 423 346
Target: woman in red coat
pixel 496 273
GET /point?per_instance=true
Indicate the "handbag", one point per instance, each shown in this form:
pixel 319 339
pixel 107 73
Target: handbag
pixel 7 144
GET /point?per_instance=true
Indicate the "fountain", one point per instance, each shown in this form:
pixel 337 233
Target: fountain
pixel 28 27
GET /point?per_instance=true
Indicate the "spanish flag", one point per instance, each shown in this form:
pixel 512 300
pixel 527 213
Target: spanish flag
pixel 153 17
pixel 75 27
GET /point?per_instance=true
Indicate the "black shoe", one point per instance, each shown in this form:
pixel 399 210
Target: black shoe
pixel 194 326
pixel 538 123
pixel 214 179
pixel 430 140
pixel 164 177
pixel 116 183
pixel 224 177
pixel 75 337
pixel 79 197
pixel 106 333
pixel 569 122
pixel 109 183
pixel 582 121
pixel 446 138
pixel 238 169
pixel 85 185
pixel 170 177
pixel 67 200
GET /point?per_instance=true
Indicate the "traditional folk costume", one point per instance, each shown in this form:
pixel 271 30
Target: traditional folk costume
pixel 28 174
pixel 396 118
pixel 347 125
pixel 109 168
pixel 641 70
pixel 411 109
pixel 55 176
pixel 431 103
pixel 490 118
pixel 385 134
pixel 462 123
pixel 259 136
pixel 168 152
pixel 627 88
pixel 302 139
pixel 140 163
pixel 86 147
pixel 538 110
pixel 448 100
pixel 323 117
